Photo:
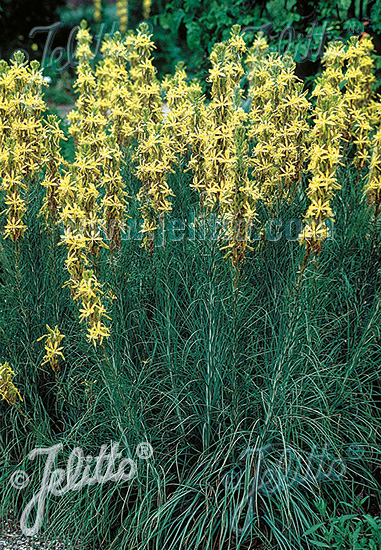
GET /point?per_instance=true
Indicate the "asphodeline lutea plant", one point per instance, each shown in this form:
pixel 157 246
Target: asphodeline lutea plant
pixel 11 155
pixel 117 92
pixel 79 192
pixel 215 132
pixel 325 149
pixel 8 390
pixel 83 283
pixel 154 151
pixel 53 161
pixel 359 79
pixel 182 98
pixel 278 121
pixel 53 350
pixel 254 58
pixel 21 105
pixel 373 185
pixel 146 100
pixel 97 10
pixel 113 80
pixel 146 8
pixel 89 128
pixel 112 83
pixel 220 142
pixel 238 203
pixel 155 155
pixel 105 77
pixel 122 14
pixel 114 205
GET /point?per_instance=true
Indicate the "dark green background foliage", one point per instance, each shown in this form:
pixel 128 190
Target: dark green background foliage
pixel 205 373
pixel 193 26
pixel 354 530
pixel 185 30
pixel 18 17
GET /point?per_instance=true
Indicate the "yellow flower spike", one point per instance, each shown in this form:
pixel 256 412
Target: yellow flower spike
pixel 324 155
pixel 146 8
pixel 278 122
pixel 182 98
pixel 97 10
pixel 53 351
pixel 156 148
pixel 358 94
pixel 122 14
pixel 219 147
pixel 8 390
pixel 144 101
pixel 90 126
pixel 53 162
pixel 79 189
pixel 112 81
pixel 373 186
pixel 21 86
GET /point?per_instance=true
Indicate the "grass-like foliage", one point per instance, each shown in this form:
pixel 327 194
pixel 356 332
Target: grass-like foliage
pixel 226 382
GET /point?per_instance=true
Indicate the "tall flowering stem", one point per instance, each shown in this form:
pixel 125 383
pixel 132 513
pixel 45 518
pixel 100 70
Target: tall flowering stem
pixel 278 121
pixel 53 161
pixel 154 151
pixel 181 98
pixel 89 129
pixel 21 105
pixel 114 204
pixel 122 14
pixel 112 80
pixel 325 150
pixel 114 86
pixel 79 193
pixel 220 149
pixel 359 79
pixel 145 87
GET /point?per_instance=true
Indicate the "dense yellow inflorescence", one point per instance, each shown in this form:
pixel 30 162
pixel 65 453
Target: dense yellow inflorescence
pixel 79 194
pixel 358 79
pixel 111 76
pixel 220 156
pixel 53 350
pixel 154 152
pixel 182 98
pixel 325 148
pixel 278 121
pixel 8 390
pixel 122 14
pixel 21 129
pixel 54 163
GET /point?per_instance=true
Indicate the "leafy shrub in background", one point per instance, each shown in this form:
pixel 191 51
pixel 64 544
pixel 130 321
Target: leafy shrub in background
pixel 185 30
pixel 353 531
pixel 191 27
